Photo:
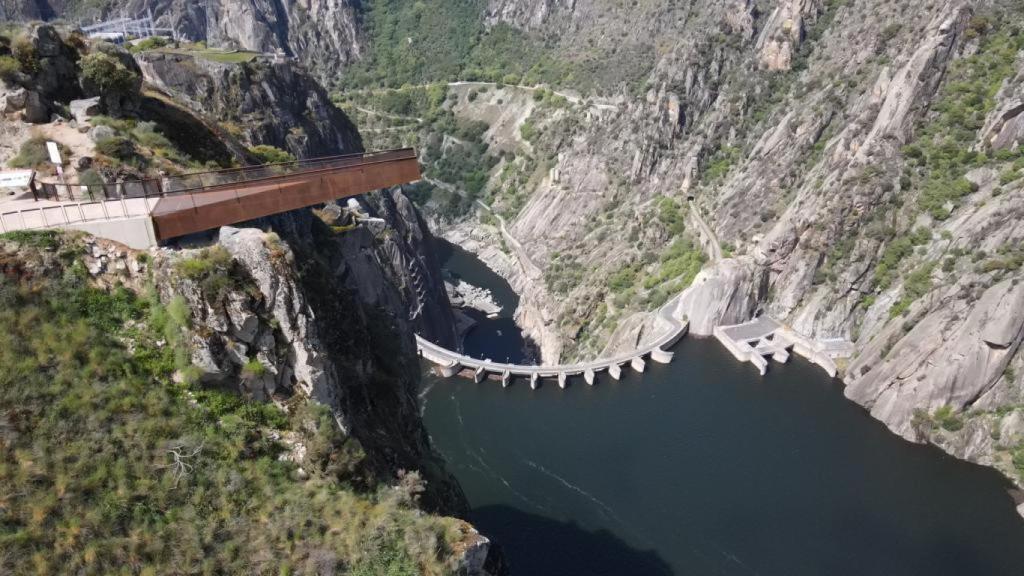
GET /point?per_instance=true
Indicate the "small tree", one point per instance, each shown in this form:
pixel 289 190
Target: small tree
pixel 106 75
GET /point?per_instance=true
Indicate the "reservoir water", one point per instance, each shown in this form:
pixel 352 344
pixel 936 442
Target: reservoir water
pixel 704 467
pixel 496 338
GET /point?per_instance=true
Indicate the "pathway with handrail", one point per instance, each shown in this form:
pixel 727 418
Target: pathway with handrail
pixel 184 204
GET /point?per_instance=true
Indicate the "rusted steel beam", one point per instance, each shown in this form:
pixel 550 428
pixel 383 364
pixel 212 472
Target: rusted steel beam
pixel 188 213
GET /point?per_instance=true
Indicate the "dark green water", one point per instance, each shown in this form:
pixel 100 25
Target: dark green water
pixel 496 338
pixel 704 467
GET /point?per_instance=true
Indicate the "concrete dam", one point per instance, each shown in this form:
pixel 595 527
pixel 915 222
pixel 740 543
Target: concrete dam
pixel 451 363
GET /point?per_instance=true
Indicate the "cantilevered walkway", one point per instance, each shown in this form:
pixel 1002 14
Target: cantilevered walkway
pixel 451 363
pixel 143 213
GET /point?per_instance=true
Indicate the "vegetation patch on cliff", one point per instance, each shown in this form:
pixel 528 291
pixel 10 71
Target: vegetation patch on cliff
pixel 429 41
pixel 943 153
pixel 106 462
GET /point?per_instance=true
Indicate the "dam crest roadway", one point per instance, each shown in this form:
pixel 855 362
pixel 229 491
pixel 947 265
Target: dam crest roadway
pixel 451 363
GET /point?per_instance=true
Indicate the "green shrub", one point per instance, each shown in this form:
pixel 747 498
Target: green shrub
pixel 44 239
pixel 215 271
pixel 116 147
pixel 670 213
pixel 528 131
pixel 33 154
pixel 680 263
pixel 253 369
pixel 946 418
pixel 148 44
pixel 9 69
pixel 1018 460
pixel 917 284
pixel 888 266
pixel 271 155
pixel 721 163
pixel 147 134
pixel 24 51
pixel 623 279
pixel 890 32
pixel 91 178
pixel 977 26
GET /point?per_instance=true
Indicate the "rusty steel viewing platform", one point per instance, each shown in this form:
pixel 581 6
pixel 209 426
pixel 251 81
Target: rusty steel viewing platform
pixel 143 213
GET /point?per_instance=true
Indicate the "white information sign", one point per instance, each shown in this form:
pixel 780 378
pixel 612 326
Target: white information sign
pixel 16 178
pixel 54 151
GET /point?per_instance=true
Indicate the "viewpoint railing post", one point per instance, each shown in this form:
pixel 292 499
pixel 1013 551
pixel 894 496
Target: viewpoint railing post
pixel 192 194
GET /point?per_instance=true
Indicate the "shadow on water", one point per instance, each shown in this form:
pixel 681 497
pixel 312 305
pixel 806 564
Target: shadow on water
pixel 538 546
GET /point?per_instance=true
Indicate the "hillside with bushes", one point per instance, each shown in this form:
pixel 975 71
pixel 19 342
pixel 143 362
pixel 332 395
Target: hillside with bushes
pixel 201 410
pixel 107 462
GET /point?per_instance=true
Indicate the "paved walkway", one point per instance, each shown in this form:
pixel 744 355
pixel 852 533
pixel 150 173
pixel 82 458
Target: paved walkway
pixel 22 212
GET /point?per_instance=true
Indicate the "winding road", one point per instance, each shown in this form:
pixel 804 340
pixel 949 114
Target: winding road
pixel 595 101
pixel 711 244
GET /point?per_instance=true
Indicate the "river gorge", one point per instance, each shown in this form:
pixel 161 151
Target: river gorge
pixel 704 467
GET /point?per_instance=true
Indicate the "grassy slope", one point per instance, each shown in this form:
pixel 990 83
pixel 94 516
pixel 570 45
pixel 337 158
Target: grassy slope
pixel 89 420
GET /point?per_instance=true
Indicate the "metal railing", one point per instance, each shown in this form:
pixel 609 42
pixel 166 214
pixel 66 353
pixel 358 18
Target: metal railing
pixel 198 182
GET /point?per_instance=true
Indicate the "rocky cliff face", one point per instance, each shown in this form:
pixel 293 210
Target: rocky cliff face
pixel 339 304
pixel 326 317
pixel 812 186
pixel 302 308
pixel 289 326
pixel 858 166
pixel 264 102
pixel 324 34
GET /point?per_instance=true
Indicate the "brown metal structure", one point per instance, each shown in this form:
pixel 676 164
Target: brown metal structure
pixel 183 212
